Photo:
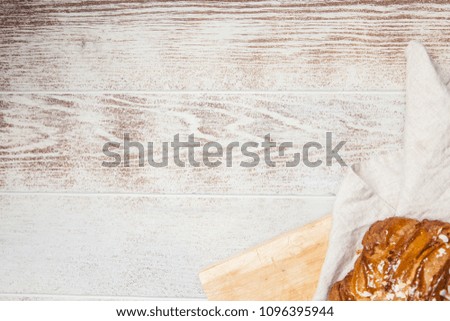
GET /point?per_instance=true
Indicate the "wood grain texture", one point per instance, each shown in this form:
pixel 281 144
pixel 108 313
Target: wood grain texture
pixel 53 142
pixel 215 45
pixel 137 246
pixel 286 268
pixel 57 297
pixel 73 56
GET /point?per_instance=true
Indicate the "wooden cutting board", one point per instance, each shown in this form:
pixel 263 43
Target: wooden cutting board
pixel 285 268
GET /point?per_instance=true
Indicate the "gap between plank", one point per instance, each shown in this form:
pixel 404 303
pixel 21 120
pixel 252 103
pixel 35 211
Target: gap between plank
pixel 287 196
pixel 222 92
pixel 93 297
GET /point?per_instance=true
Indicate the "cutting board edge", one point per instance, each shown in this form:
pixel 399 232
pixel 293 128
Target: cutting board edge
pixel 205 278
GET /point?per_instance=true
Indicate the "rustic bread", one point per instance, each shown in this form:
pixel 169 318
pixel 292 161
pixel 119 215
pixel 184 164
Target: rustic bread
pixel 401 259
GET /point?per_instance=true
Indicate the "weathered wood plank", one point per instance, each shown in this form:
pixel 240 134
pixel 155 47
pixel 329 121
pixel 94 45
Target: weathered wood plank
pixel 138 246
pixel 53 142
pixel 57 297
pixel 215 45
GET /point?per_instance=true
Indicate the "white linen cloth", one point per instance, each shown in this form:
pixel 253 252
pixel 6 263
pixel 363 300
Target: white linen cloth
pixel 413 182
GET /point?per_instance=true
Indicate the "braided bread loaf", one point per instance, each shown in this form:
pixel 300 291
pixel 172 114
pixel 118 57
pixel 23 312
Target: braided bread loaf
pixel 401 259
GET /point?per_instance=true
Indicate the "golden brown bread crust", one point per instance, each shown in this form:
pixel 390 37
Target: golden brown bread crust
pixel 402 259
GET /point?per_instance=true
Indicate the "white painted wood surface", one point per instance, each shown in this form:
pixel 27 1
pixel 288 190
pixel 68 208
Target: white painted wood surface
pixel 137 246
pixel 215 45
pixel 53 142
pixel 74 74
